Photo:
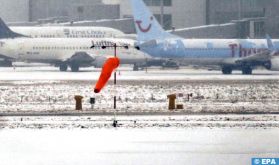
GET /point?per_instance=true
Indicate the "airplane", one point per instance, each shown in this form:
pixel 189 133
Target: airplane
pixel 67 32
pixel 64 52
pixel 228 54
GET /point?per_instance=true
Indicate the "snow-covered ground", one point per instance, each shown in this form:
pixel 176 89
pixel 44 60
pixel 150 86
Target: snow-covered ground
pixel 140 96
pixel 142 121
pixel 161 138
pixel 126 73
pixel 44 89
pixel 149 146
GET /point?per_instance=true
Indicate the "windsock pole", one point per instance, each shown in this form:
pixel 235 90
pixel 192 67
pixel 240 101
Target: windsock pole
pixel 115 46
pixel 114 103
pixel 114 99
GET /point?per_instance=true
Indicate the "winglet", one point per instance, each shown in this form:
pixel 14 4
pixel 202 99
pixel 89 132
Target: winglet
pixel 270 45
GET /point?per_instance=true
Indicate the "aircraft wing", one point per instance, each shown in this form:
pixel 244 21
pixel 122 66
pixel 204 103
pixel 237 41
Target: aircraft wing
pixel 84 59
pixel 262 56
pixel 6 57
pixel 88 59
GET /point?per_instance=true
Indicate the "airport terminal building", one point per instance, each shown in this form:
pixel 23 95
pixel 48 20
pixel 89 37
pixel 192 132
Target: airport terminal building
pixel 248 18
pixel 258 17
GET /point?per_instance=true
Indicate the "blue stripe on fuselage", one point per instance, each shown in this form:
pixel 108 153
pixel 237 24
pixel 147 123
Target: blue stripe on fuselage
pixel 177 49
pixel 160 51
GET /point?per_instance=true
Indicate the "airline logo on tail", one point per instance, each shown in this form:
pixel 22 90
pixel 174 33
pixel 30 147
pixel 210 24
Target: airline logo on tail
pixel 144 30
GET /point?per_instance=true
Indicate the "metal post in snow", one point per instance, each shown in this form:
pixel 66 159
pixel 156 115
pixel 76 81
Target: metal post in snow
pixel 114 103
pixel 114 98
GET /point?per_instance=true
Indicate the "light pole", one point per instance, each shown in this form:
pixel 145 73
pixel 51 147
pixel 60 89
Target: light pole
pixel 239 9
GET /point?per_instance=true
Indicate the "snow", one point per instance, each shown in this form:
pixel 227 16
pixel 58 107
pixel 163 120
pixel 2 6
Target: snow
pixel 137 146
pixel 139 92
pixel 141 121
pixel 126 73
pixel 199 134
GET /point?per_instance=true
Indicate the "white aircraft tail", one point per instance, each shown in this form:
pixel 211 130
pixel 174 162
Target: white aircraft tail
pixel 147 26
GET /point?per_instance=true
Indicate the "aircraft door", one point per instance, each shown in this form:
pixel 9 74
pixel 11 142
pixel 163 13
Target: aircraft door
pixel 58 34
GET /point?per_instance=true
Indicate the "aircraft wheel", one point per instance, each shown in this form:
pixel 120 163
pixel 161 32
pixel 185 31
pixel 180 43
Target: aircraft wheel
pixel 6 63
pixel 9 63
pixel 136 67
pixel 75 67
pixel 227 70
pixel 63 67
pixel 247 70
pixel 268 65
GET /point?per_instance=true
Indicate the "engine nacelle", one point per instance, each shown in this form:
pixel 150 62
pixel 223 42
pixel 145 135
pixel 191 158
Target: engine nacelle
pixel 274 64
pixel 82 59
pixel 99 62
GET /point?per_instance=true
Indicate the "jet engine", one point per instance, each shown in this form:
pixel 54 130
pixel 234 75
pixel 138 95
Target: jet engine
pixel 99 62
pixel 274 64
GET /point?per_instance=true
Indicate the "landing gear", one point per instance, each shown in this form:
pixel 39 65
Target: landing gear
pixel 136 67
pixel 170 64
pixel 268 65
pixel 6 63
pixel 74 67
pixel 226 70
pixel 247 70
pixel 63 67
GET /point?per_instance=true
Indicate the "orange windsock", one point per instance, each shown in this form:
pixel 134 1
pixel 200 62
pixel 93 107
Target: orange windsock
pixel 109 66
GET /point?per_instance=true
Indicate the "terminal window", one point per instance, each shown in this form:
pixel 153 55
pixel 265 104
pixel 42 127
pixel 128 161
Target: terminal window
pixel 158 2
pixel 167 20
pixel 251 3
pixel 259 29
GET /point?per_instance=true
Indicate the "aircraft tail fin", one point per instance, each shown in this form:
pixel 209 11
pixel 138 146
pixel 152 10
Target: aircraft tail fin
pixel 6 32
pixel 147 27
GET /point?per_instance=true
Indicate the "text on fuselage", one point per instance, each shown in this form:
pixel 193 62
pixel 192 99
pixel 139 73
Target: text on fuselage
pixel 237 50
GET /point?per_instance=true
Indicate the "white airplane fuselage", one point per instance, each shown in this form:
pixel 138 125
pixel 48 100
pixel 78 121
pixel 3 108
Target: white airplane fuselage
pixel 67 32
pixel 53 50
pixel 229 54
pixel 207 51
